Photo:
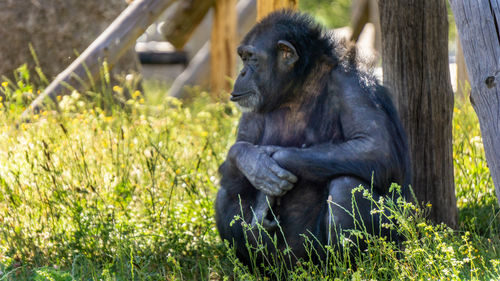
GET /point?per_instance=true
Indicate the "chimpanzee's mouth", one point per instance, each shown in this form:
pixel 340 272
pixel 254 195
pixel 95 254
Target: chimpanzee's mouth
pixel 238 96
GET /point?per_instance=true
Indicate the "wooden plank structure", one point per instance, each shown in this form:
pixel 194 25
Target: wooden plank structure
pixel 134 20
pixel 109 47
pixel 265 7
pixel 198 70
pixel 223 39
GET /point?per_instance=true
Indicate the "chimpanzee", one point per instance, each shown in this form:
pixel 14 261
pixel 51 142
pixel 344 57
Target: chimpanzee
pixel 315 126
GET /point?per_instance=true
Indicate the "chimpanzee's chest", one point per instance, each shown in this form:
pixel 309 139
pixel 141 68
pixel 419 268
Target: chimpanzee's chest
pixel 298 129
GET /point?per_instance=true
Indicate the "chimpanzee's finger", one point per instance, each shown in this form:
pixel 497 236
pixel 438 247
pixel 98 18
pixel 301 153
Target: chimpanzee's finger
pixel 285 185
pixel 283 174
pixel 271 185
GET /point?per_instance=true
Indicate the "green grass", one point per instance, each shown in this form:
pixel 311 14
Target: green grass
pixel 104 192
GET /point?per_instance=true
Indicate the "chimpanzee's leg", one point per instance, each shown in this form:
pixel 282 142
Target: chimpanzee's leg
pixel 348 211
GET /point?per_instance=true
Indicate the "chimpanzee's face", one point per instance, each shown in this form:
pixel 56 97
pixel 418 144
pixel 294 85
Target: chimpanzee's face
pixel 266 67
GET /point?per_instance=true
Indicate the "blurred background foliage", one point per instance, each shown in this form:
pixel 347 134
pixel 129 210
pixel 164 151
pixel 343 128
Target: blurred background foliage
pixel 332 14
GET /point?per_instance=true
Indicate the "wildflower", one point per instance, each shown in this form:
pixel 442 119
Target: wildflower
pixel 117 88
pixel 136 93
pixel 5 84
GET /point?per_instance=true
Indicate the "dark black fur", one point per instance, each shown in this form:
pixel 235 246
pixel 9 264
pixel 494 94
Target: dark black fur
pixel 326 121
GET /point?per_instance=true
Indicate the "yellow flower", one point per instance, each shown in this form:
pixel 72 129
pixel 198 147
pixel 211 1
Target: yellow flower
pixel 141 100
pixel 59 98
pixel 5 84
pixel 178 171
pixel 136 94
pixel 117 88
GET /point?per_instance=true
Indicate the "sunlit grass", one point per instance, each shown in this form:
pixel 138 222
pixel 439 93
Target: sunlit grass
pixel 125 192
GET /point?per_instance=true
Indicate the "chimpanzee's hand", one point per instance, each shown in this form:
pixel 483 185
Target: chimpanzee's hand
pixel 269 149
pixel 261 170
pixel 285 157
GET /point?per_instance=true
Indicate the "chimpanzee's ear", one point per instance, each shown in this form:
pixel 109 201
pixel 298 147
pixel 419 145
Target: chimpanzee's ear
pixel 287 55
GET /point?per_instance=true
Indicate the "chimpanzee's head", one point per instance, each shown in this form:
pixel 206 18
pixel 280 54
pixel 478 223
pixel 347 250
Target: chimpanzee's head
pixel 277 54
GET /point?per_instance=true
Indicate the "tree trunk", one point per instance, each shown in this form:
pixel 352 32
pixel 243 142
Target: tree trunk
pixel 265 7
pixel 478 24
pixel 56 29
pixel 223 46
pixel 415 66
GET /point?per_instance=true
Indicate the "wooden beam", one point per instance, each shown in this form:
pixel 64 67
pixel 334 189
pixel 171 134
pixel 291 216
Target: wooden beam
pixel 183 18
pixel 223 46
pixel 109 47
pixel 463 82
pixel 265 7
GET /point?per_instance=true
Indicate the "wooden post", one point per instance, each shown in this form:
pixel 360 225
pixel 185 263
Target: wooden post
pixel 462 78
pixel 363 12
pixel 477 23
pixel 360 15
pixel 265 7
pixel 223 46
pixel 109 46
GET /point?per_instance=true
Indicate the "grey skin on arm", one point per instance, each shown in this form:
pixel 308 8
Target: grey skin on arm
pixel 256 164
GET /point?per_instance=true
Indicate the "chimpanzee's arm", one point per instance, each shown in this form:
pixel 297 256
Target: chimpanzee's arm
pixel 248 160
pixel 369 151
